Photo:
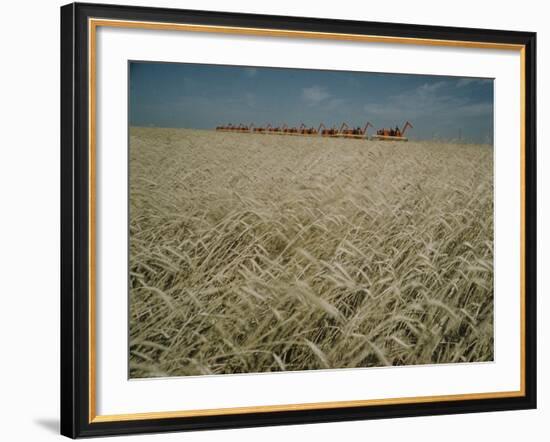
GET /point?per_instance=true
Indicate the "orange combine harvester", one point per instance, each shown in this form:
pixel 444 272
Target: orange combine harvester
pixel 311 131
pixel 349 132
pixel 325 132
pixel 393 134
pixel 345 131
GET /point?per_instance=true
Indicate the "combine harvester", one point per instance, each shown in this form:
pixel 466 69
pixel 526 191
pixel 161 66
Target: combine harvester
pixel 259 130
pixel 289 130
pixel 392 134
pixel 278 130
pixel 226 128
pixel 231 128
pixel 308 131
pixel 243 128
pixel 349 132
pixel 325 132
pixel 344 131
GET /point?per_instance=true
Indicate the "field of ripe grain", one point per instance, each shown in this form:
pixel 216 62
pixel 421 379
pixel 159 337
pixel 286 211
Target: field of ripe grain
pixel 255 253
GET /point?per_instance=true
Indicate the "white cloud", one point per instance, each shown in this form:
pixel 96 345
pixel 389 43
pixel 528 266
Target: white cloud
pixel 428 99
pixel 434 108
pixel 471 81
pixel 314 95
pixel 335 104
pixel 428 88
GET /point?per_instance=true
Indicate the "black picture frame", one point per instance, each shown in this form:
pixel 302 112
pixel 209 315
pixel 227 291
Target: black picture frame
pixel 75 219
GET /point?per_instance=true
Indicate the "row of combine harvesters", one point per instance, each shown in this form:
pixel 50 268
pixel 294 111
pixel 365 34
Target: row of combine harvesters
pixel 344 131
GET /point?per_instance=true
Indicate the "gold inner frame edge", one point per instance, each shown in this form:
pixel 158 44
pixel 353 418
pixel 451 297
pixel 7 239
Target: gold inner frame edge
pixel 93 24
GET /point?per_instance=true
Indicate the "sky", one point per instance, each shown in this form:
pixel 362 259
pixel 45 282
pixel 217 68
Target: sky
pixel 201 96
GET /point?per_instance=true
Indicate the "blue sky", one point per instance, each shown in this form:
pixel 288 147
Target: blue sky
pixel 204 96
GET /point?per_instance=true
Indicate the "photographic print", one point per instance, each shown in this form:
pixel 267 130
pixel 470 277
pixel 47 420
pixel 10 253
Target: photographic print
pixel 272 220
pixel 294 219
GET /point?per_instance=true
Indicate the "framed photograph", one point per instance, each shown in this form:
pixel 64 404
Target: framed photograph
pixel 274 220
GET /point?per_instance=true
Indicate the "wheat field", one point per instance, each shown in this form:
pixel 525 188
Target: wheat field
pixel 260 253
